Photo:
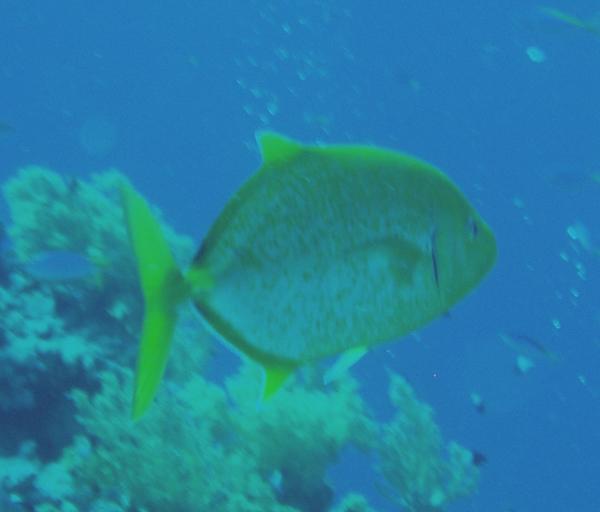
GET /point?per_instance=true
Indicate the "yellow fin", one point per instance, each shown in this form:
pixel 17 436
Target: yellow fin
pixel 275 147
pixel 275 377
pixel 344 362
pixel 157 332
pixel 163 288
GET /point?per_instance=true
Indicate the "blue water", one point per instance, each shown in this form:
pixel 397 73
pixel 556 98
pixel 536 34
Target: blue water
pixel 172 94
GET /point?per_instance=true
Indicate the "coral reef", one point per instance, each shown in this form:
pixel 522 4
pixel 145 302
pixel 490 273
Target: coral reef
pixel 207 462
pixel 51 212
pixel 353 503
pixel 422 477
pixel 182 456
pixel 40 360
pixel 299 433
pixel 66 349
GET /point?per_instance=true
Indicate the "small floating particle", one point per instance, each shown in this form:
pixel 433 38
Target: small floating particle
pixel 518 202
pixel 478 403
pixel 523 365
pixel 535 54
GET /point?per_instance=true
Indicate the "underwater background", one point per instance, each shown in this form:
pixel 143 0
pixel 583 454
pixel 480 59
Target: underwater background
pixel 494 407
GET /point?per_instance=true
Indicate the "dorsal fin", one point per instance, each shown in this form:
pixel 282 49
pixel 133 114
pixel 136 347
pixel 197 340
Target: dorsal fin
pixel 275 147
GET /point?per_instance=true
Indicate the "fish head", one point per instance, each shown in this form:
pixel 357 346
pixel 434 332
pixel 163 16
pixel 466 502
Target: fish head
pixel 465 250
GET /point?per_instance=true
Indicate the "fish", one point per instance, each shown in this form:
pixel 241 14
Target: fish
pixel 479 458
pixel 527 346
pixel 324 250
pixel 59 265
pixel 592 25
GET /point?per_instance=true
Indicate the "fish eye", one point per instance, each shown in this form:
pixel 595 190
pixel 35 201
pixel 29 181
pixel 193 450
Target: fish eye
pixel 473 228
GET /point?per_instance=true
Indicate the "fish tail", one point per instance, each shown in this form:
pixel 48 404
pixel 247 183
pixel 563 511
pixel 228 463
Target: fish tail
pixel 163 288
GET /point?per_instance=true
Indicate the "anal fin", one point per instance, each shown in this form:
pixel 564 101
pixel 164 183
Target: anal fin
pixel 275 377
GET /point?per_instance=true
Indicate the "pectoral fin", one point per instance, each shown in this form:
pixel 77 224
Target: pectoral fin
pixel 344 362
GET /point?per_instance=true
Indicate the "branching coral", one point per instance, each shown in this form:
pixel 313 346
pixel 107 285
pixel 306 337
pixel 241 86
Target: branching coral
pixel 197 451
pixel 54 333
pixel 183 456
pixel 53 212
pixel 423 476
pixel 226 455
pixel 32 327
pixel 353 503
pixel 299 433
pixel 31 484
pixel 39 362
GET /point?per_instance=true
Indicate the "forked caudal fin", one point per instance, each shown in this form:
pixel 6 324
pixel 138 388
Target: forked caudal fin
pixel 163 288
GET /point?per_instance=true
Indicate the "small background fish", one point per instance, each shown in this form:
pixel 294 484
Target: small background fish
pixel 60 266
